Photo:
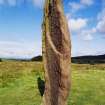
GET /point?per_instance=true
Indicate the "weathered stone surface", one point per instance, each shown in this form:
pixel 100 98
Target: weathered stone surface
pixel 56 54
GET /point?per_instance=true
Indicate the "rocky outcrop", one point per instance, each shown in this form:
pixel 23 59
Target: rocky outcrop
pixel 56 54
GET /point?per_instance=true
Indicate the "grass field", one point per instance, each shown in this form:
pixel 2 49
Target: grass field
pixel 18 84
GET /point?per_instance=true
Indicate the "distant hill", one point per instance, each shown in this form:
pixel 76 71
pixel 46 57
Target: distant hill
pixel 0 60
pixel 80 59
pixel 89 59
pixel 37 58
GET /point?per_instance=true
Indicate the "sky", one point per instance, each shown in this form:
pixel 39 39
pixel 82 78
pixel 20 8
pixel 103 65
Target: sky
pixel 21 20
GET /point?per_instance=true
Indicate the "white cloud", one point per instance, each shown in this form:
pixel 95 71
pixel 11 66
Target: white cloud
pixel 77 24
pixel 19 49
pixel 12 2
pixel 101 14
pixel 68 15
pixel 101 21
pixel 80 5
pixel 75 6
pixel 87 35
pixel 101 26
pixel 87 2
pixel 9 2
pixel 1 1
pixel 38 3
pixel 79 27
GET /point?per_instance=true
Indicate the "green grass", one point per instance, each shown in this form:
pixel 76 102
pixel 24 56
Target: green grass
pixel 18 84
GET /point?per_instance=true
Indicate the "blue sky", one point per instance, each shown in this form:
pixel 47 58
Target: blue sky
pixel 20 27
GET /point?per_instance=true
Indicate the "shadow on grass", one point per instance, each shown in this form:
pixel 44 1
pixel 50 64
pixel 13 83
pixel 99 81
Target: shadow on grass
pixel 41 85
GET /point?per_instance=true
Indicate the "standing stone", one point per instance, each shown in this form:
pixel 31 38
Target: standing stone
pixel 56 54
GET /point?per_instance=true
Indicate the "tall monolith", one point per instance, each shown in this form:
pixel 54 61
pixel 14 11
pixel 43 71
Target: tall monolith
pixel 56 54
